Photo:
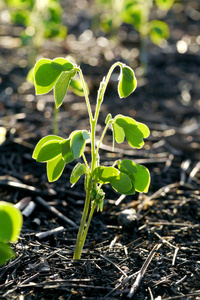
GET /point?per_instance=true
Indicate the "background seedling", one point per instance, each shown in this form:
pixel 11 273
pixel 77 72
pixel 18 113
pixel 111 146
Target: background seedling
pixel 39 19
pixel 125 176
pixel 136 13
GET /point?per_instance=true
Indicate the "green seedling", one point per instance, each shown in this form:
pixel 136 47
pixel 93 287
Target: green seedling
pixel 10 227
pixel 124 176
pixel 136 13
pixel 41 19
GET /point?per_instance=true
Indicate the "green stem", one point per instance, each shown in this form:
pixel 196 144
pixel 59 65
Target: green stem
pixel 102 136
pixel 86 94
pixel 102 91
pixel 100 98
pixel 82 233
pixel 85 161
pixel 88 222
pixel 79 240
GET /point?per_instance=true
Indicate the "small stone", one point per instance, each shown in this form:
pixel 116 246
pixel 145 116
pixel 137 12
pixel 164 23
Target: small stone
pixel 127 218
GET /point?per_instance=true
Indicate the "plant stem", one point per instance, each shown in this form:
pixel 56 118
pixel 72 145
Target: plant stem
pixel 88 222
pixel 82 233
pixel 102 92
pixel 102 136
pixel 86 94
pixel 80 241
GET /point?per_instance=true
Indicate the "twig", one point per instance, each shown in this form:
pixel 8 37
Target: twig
pixel 181 280
pixel 29 279
pixel 25 187
pixel 42 235
pixel 120 199
pixel 175 255
pixel 164 240
pixel 29 209
pixel 55 212
pixel 196 293
pixel 165 189
pixel 23 203
pixel 193 172
pixel 140 276
pixel 111 262
pixel 174 224
pixel 151 294
pixel 170 245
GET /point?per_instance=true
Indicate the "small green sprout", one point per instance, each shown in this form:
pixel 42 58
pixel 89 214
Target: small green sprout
pixel 136 13
pixel 10 226
pixel 124 176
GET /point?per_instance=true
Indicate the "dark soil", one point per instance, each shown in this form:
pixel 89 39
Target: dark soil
pixel 156 254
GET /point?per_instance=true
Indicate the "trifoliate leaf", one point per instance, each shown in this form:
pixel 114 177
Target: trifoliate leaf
pixel 47 72
pixel 134 131
pixel 77 143
pixel 49 151
pixel 62 64
pixel 45 76
pixel 60 88
pixel 105 174
pixel 67 154
pixel 141 179
pixel 55 168
pixel 127 82
pixel 122 184
pixel 43 141
pixel 77 172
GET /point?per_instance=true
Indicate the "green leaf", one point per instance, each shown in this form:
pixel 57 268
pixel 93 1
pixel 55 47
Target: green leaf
pixel 85 134
pixel 77 172
pixel 118 133
pixel 77 88
pixel 164 4
pixel 67 151
pixel 141 179
pixel 60 88
pixel 122 184
pixel 43 141
pixel 134 131
pixel 55 168
pixel 49 151
pixel 10 222
pixel 105 174
pixel 62 64
pixel 128 165
pixel 159 31
pixel 45 76
pixel 134 15
pixel 138 174
pixel 47 72
pixel 6 253
pixel 78 142
pixel 127 82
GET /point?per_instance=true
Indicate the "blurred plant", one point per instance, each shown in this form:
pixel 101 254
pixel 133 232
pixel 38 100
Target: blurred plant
pixel 41 19
pixel 10 227
pixel 136 13
pixel 125 176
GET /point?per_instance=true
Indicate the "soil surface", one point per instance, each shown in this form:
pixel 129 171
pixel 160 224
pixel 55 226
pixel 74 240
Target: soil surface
pixel 144 246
